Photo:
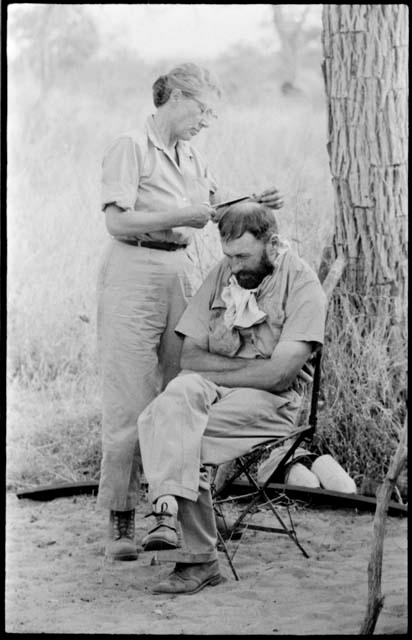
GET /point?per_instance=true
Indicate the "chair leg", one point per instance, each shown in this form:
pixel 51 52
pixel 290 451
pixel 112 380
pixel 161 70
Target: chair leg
pixel 219 513
pixel 226 552
pixel 244 513
pixel 285 529
pixel 290 532
pixel 261 492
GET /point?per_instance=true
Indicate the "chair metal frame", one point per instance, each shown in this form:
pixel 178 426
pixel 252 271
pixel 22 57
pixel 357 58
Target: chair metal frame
pixel 259 493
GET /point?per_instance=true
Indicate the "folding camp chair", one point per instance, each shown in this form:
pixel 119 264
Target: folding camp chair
pixel 259 494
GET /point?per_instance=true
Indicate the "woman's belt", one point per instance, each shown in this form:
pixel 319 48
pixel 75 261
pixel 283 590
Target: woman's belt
pixel 162 246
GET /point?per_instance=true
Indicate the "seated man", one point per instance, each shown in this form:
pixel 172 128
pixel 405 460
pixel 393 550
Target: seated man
pixel 248 331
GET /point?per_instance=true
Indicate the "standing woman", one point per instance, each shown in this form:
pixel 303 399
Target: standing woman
pixel 156 191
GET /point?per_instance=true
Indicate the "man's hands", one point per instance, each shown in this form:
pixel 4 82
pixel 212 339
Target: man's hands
pixel 270 198
pixel 197 358
pixel 275 374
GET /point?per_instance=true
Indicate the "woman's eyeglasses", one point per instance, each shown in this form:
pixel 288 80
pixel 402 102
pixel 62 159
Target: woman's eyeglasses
pixel 206 111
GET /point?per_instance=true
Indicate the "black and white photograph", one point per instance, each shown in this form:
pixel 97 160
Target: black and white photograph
pixel 205 268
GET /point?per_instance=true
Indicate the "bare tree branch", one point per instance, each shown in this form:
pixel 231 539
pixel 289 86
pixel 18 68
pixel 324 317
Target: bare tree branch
pixel 375 597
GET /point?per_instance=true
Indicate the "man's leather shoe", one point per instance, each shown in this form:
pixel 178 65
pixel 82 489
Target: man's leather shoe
pixel 190 578
pixel 121 545
pixel 164 533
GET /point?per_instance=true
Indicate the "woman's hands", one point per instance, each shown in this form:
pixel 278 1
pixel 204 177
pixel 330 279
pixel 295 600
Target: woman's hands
pixel 270 198
pixel 197 215
pixel 128 222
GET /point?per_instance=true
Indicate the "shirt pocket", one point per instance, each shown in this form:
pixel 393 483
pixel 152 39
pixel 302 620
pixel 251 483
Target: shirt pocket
pixel 223 341
pixel 275 312
pixel 197 188
pixel 269 332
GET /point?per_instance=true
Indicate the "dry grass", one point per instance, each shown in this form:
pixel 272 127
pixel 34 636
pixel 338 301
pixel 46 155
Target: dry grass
pixel 53 433
pixel 364 388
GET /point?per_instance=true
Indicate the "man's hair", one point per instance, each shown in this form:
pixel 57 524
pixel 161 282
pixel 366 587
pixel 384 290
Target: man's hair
pixel 250 216
pixel 190 78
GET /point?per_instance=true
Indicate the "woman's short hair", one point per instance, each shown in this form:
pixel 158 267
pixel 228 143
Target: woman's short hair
pixel 249 216
pixel 190 78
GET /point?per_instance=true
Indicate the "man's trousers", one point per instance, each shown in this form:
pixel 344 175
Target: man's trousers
pixel 194 422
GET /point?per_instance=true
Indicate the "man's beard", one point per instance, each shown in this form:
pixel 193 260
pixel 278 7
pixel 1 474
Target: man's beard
pixel 252 279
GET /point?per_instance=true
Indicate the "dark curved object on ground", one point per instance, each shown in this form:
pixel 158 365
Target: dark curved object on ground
pixel 312 496
pixel 322 497
pixel 60 490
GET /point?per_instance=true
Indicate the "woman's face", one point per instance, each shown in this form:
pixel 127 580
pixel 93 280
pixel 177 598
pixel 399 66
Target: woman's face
pixel 192 114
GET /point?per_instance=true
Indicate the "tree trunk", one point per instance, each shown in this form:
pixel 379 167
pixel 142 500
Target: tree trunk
pixel 365 68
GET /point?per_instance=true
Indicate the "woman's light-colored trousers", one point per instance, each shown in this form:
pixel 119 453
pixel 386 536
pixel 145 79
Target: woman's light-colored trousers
pixel 142 293
pixel 195 422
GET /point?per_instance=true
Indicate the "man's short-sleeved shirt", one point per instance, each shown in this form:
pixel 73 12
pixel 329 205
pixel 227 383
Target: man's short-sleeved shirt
pixel 292 298
pixel 140 174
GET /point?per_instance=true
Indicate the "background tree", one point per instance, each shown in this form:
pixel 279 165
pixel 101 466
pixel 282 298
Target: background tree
pixel 365 54
pixel 295 35
pixel 52 38
pixel 365 50
pixel 52 41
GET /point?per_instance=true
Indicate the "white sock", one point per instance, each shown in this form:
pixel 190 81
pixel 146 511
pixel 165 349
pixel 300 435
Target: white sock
pixel 170 503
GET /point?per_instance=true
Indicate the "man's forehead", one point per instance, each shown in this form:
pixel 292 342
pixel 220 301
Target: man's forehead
pixel 246 243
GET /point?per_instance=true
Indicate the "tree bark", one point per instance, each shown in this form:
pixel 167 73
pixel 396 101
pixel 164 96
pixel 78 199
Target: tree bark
pixel 375 597
pixel 365 49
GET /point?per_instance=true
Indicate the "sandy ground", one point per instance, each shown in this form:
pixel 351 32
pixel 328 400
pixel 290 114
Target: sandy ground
pixel 57 580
